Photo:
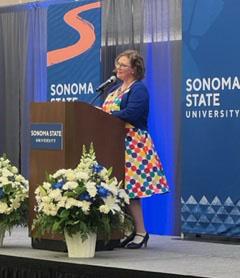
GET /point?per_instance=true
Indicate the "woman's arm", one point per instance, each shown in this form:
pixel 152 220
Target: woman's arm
pixel 137 104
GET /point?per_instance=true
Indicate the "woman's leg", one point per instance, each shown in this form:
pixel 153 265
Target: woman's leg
pixel 135 210
pixel 141 236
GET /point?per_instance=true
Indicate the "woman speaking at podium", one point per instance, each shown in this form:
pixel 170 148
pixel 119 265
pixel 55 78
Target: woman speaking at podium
pixel 144 176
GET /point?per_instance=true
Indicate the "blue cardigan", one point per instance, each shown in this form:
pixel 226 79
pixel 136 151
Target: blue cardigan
pixel 134 107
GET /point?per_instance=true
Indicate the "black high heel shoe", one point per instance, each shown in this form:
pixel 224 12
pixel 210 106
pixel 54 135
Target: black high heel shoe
pixel 133 245
pixel 127 239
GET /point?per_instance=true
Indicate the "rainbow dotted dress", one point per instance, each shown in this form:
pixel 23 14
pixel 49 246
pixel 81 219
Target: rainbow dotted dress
pixel 144 174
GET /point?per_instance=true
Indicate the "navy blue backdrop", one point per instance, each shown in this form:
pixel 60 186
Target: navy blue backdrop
pixel 211 103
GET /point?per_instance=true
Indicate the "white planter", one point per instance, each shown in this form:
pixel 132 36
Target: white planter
pixel 78 248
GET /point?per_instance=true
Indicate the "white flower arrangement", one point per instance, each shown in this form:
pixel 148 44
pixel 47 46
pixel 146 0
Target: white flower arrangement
pixel 13 196
pixel 84 199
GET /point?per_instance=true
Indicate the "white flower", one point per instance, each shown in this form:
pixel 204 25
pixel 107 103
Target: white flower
pixel 5 162
pixel 16 203
pixel 46 199
pixel 18 184
pixel 40 206
pixel 70 175
pixel 82 175
pixel 104 209
pixel 50 209
pixel 86 163
pixel 13 185
pixel 70 185
pixel 59 173
pixel 70 202
pixel 85 206
pixel 114 182
pixel 110 187
pixel 6 173
pixel 55 194
pixel 104 174
pixel 20 178
pixel 123 195
pixel 14 170
pixel 4 181
pixel 91 188
pixel 3 207
pixel 26 183
pixel 40 191
pixel 38 199
pixel 62 202
pixel 9 210
pixel 112 204
pixel 46 185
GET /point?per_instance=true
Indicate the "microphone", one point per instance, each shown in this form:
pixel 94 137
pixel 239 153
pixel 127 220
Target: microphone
pixel 109 81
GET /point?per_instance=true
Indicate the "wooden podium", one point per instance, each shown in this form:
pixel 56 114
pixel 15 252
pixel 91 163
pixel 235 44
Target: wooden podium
pixel 82 124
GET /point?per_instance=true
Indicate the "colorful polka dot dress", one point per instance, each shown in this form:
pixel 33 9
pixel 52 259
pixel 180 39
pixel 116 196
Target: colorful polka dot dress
pixel 144 174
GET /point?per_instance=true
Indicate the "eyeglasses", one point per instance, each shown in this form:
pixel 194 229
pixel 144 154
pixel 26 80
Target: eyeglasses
pixel 118 65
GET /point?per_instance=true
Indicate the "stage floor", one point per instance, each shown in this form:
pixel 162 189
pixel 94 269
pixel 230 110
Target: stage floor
pixel 164 255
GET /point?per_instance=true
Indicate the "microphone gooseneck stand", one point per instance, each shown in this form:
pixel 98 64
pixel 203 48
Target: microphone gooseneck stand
pixel 102 88
pixel 97 96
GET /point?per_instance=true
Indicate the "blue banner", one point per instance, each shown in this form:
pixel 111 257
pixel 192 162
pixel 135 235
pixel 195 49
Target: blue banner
pixel 46 136
pixel 211 117
pixel 73 58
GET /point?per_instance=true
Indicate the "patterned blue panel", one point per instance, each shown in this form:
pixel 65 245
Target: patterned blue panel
pixel 213 217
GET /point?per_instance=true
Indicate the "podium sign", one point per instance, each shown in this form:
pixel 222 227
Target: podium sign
pixel 48 136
